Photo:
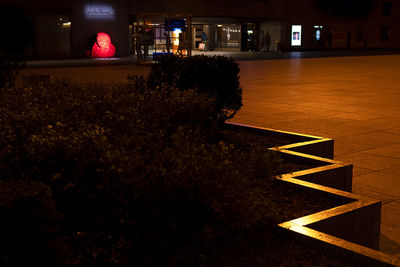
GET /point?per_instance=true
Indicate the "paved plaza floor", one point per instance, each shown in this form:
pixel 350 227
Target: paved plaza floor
pixel 353 99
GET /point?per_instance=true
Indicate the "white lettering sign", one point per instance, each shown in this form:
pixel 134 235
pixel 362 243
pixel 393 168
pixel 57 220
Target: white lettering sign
pixel 99 11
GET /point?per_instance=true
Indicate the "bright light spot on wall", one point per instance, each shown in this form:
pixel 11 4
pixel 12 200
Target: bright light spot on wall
pixel 296 35
pixel 175 34
pixel 99 12
pixel 66 24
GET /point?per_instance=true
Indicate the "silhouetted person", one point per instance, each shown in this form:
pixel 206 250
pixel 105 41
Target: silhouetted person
pixel 92 40
pixel 204 37
pixel 268 41
pixel 167 41
pixel 348 40
pixel 365 40
pixel 329 38
pixel 181 45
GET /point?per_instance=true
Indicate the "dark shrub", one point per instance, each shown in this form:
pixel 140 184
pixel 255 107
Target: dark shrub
pixel 28 227
pixel 132 171
pixel 217 76
pixel 9 69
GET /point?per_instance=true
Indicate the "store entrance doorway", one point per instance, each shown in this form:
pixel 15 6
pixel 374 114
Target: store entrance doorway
pixel 154 36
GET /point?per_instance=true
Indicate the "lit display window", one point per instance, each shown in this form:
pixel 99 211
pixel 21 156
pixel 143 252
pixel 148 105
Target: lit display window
pixel 296 35
pixel 175 35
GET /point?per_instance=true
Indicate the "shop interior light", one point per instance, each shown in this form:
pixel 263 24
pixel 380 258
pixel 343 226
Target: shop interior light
pixel 176 33
pixel 67 23
pixel 219 25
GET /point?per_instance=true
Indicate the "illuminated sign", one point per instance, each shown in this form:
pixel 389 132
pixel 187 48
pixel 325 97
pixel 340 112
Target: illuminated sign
pixel 296 35
pixel 317 32
pixel 318 35
pixel 99 11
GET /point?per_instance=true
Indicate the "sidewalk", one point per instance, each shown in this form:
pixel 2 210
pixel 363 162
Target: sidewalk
pixel 237 55
pixel 353 100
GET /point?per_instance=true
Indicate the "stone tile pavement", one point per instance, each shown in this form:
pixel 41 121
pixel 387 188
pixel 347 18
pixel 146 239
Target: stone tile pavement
pixel 354 100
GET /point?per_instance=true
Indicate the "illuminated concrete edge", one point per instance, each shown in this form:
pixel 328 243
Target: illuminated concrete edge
pixel 351 230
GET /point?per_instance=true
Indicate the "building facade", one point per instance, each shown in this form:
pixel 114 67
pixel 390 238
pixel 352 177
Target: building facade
pixel 64 29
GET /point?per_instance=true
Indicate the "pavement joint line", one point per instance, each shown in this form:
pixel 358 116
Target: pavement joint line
pixel 390 201
pixel 365 192
pixel 369 172
pixel 377 154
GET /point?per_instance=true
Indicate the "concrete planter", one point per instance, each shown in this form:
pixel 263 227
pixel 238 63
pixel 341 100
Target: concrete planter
pixel 351 230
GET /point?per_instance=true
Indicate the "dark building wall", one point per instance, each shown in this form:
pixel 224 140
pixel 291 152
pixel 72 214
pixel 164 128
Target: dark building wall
pixel 302 13
pixel 365 30
pixel 210 8
pixel 45 32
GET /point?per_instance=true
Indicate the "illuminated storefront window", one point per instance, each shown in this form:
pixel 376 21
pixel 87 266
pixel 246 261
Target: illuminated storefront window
pixel 154 36
pixel 296 35
pixel 175 36
pixel 228 36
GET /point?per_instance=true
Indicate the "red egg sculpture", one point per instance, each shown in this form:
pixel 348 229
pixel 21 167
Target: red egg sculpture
pixel 103 46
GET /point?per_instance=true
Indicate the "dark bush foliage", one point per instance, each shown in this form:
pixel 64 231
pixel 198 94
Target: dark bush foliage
pixel 131 175
pixel 9 69
pixel 217 76
pixel 132 171
pixel 29 234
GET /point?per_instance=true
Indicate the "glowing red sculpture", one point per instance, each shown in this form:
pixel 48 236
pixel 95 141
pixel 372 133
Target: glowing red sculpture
pixel 103 46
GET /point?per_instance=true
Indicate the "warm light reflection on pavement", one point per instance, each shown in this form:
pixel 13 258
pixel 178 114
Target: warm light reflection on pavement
pixel 354 100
